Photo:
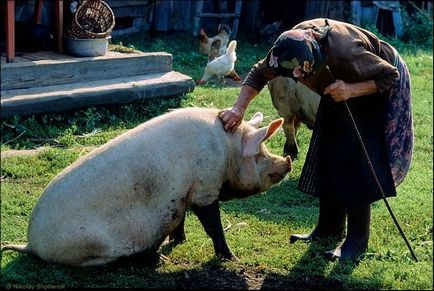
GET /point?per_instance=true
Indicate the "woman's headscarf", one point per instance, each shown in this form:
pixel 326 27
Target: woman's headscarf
pixel 295 54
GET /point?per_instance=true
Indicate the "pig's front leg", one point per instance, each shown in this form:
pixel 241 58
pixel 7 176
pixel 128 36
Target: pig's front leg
pixel 177 236
pixel 209 216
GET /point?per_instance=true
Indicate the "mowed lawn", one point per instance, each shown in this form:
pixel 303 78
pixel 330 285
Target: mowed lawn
pixel 259 226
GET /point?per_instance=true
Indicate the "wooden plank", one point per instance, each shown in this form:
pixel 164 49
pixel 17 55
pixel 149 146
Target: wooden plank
pixel 22 59
pixel 131 11
pixel 126 3
pixel 397 23
pixel 162 15
pixel 57 57
pixel 356 12
pixel 46 72
pixel 219 15
pixel 112 91
pixel 54 55
pixel 335 10
pixel 251 14
pixel 47 55
pixel 35 56
pixel 32 57
pixel 316 9
pixel 180 18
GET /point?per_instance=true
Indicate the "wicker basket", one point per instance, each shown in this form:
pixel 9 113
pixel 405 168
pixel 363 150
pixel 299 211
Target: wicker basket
pixel 93 19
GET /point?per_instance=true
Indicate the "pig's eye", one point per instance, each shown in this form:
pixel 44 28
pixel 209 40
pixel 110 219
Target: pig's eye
pixel 260 157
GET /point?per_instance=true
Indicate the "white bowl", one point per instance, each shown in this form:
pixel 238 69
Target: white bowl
pixel 87 47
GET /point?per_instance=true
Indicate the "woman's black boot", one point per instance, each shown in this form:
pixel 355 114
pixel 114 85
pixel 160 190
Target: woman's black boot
pixel 331 222
pixel 356 242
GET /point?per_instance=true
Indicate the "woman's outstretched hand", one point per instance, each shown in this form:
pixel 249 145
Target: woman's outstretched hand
pixel 231 118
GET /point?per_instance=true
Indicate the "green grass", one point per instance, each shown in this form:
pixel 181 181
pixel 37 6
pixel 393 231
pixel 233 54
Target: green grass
pixel 261 224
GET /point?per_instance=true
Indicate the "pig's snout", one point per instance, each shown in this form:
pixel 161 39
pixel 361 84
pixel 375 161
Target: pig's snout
pixel 289 163
pixel 283 169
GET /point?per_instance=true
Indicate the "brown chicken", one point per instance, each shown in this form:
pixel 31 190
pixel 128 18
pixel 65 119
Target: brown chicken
pixel 205 42
pixel 216 46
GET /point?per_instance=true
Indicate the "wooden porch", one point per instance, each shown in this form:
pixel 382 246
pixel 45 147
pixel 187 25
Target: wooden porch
pixel 47 81
pixel 38 56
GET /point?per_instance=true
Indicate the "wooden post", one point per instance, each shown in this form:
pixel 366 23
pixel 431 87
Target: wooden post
pixel 251 13
pixel 199 6
pixel 58 12
pixel 356 12
pixel 162 15
pixel 238 6
pixel 316 9
pixel 10 31
pixel 38 11
pixel 397 23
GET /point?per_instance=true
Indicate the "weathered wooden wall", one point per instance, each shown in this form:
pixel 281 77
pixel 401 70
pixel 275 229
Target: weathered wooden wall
pixel 169 15
pixel 176 15
pixel 173 15
pixel 156 15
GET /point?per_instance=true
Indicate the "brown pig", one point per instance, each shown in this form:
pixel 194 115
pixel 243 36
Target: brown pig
pixel 128 195
pixel 297 104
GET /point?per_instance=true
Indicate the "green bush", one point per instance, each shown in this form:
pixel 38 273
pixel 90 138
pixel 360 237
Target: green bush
pixel 417 29
pixel 417 32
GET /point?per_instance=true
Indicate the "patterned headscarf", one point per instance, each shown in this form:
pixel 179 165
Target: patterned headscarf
pixel 295 54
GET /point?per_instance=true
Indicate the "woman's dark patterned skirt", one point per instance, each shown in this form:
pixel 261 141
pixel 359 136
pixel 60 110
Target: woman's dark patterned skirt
pixel 336 167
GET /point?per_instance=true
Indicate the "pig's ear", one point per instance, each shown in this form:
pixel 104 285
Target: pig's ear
pixel 256 120
pixel 253 140
pixel 271 129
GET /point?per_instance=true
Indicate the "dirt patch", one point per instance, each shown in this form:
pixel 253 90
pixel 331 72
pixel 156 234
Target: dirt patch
pixel 13 153
pixel 230 82
pixel 251 278
pixel 219 277
pixel 227 81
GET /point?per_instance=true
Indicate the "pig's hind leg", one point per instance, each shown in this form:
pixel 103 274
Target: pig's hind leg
pixel 177 236
pixel 83 252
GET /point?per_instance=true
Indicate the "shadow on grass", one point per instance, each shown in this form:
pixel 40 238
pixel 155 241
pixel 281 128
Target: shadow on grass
pixel 147 270
pixel 285 204
pixel 281 204
pixel 29 272
pixel 306 275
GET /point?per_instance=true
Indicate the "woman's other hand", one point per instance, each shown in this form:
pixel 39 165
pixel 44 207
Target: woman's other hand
pixel 339 90
pixel 342 91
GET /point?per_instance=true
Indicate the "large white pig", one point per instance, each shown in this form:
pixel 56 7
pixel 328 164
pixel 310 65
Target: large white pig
pixel 128 195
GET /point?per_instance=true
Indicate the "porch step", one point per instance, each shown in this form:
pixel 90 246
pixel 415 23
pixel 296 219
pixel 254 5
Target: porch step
pixel 62 69
pixel 120 90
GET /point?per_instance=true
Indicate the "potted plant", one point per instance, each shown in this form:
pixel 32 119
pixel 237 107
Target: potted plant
pixel 90 28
